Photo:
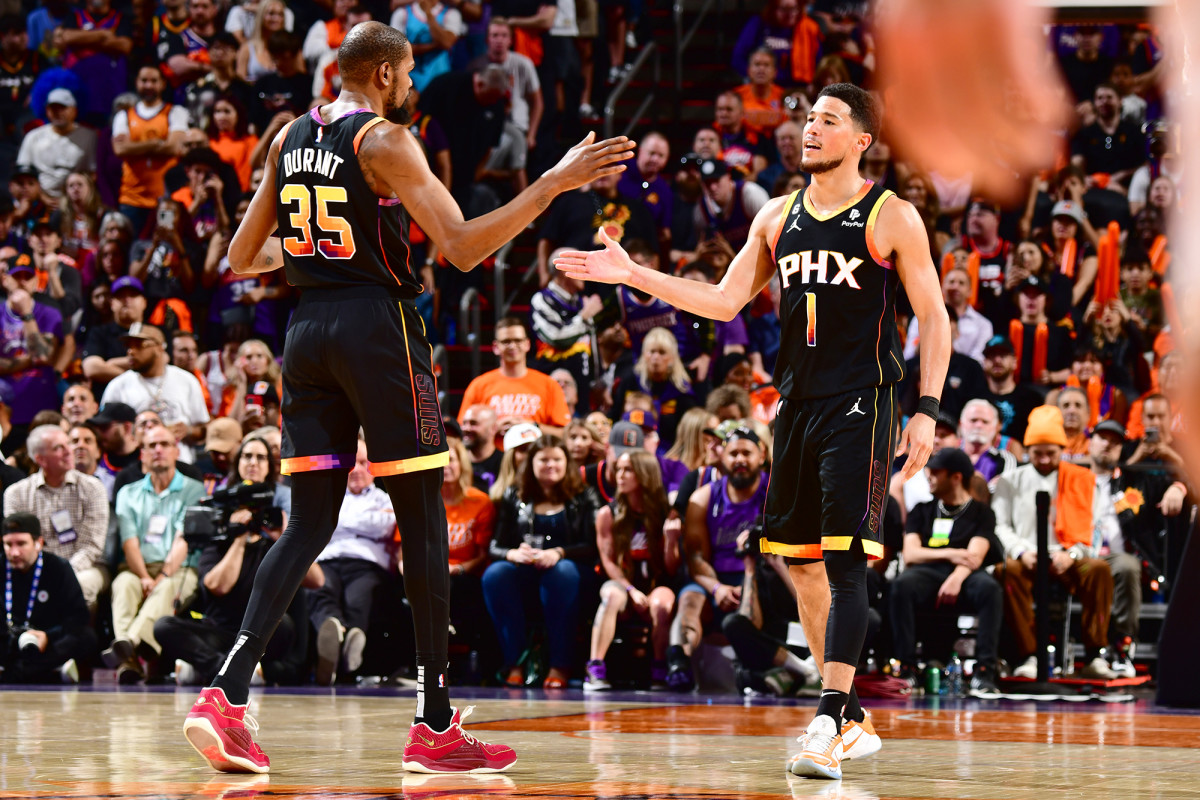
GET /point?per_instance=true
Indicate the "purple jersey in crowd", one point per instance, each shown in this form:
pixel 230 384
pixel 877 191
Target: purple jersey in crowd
pixel 31 390
pixel 727 519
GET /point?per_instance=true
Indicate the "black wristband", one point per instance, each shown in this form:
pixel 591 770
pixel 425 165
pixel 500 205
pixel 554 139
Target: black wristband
pixel 929 406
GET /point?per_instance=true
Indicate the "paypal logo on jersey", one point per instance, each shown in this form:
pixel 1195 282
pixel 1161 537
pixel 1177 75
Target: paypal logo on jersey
pixel 850 223
pixel 816 270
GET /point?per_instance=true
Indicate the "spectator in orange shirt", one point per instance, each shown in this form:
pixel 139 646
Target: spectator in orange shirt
pixel 230 138
pixel 762 98
pixel 514 391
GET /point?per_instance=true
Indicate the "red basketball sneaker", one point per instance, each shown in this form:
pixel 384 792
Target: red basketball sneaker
pixel 221 732
pixel 453 750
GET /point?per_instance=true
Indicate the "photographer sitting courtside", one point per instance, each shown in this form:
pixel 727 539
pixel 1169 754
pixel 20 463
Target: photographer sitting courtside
pixel 227 566
pixel 47 627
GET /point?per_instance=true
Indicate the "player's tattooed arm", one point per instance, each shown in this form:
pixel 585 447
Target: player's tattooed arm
pixel 267 259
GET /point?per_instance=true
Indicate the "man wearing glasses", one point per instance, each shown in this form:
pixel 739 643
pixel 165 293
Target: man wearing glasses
pixel 151 384
pixel 514 391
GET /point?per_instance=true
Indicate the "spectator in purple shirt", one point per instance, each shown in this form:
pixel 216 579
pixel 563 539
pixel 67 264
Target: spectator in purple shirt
pixel 30 337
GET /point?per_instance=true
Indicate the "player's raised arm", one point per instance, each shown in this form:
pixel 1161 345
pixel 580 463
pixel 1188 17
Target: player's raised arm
pixel 253 250
pixel 903 233
pixel 748 273
pixel 392 158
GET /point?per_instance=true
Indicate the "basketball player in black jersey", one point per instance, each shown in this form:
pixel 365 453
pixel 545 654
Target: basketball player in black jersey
pixel 340 184
pixel 839 249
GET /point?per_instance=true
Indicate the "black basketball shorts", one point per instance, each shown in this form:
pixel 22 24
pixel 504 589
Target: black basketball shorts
pixel 357 357
pixel 829 476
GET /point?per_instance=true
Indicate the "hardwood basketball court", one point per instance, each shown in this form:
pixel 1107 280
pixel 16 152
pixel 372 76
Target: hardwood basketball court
pixel 96 743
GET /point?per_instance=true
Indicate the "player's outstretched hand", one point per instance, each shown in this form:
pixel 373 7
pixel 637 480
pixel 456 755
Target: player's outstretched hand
pixel 610 265
pixel 590 159
pixel 917 441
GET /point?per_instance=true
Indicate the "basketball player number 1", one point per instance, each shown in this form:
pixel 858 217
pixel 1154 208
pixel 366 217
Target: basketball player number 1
pixel 812 319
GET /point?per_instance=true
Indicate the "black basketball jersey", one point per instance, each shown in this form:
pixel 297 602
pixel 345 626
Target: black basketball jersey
pixel 336 231
pixel 837 308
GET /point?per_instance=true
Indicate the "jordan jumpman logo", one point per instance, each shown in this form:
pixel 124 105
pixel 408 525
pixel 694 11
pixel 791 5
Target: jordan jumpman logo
pixel 855 409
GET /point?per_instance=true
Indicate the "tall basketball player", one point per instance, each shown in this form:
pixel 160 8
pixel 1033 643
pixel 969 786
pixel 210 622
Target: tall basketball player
pixel 340 183
pixel 839 249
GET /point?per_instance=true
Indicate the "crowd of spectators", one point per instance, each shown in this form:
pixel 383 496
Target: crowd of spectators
pixel 606 478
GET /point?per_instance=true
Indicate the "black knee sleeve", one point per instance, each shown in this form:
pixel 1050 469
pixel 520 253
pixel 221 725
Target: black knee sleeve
pixel 847 626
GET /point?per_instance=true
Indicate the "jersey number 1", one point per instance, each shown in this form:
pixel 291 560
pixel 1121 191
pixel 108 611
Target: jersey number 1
pixel 812 318
pixel 301 220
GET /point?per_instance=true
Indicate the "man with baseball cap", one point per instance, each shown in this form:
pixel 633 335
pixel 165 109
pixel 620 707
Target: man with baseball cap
pixel 31 336
pixel 947 542
pixel 117 439
pixel 728 204
pixel 105 355
pixel 152 383
pixel 60 148
pixel 1013 400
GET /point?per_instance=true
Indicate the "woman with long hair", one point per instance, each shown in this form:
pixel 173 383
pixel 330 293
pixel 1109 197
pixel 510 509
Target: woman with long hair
pixel 1031 258
pixel 639 552
pixel 689 437
pixel 661 374
pixel 517 441
pixel 230 138
pixel 253 462
pixel 255 363
pixel 545 540
pixel 253 60
pixel 918 189
pixel 82 210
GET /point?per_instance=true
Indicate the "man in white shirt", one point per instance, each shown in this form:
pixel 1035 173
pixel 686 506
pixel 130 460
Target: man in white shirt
pixel 60 148
pixel 1073 498
pixel 358 563
pixel 153 384
pixel 974 329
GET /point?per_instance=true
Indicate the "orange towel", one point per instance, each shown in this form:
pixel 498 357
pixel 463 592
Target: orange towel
pixel 1073 506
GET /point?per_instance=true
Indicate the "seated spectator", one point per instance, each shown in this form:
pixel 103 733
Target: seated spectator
pixel 43 641
pixel 115 230
pixel 82 211
pixel 974 329
pixel 79 404
pixel 717 513
pixel 742 150
pixel 946 546
pixel 991 453
pixel 1117 530
pixel 1111 145
pixel 57 272
pixel 1072 403
pixel 982 237
pixel 242 396
pixel 1104 399
pixel 70 506
pixel 29 204
pixel 1012 400
pixel 515 392
pixel 1073 562
pixel 562 320
pixel 1115 347
pixel 244 17
pixel 518 440
pixel 158 569
pixel 221 79
pixel 762 98
pixel 690 438
pixel 85 453
pixel 357 564
pixel 1042 348
pixel 730 401
pixel 729 204
pixel 59 148
pixel 470 518
pixel 793 37
pixel 197 647
pixel 639 553
pixel 147 138
pixel 788 136
pixel 911 493
pixel 152 383
pixel 222 437
pixel 1141 299
pixel 643 180
pixel 479 438
pixel 660 373
pixel 570 387
pixel 32 341
pixel 230 138
pixel 1032 258
pixel 642 313
pixel 119 444
pixel 545 540
pixel 584 443
pixel 1066 222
